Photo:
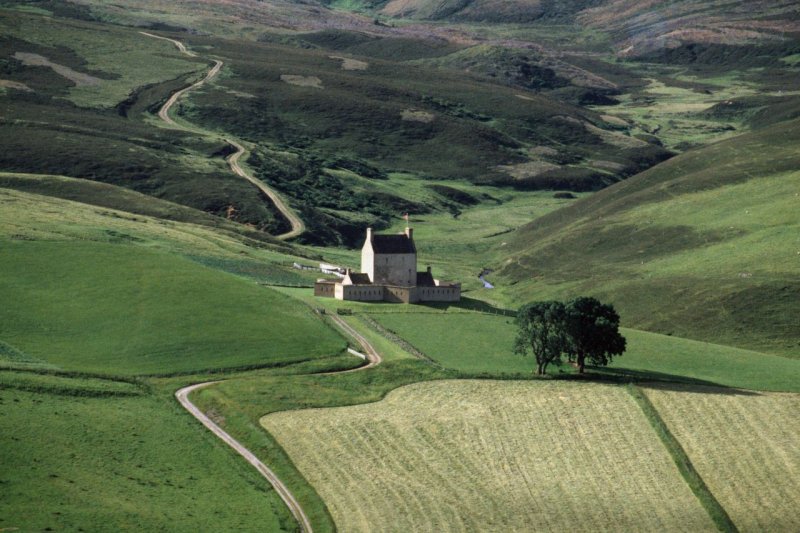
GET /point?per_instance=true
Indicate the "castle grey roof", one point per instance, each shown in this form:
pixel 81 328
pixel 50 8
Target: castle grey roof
pixel 393 244
pixel 359 278
pixel 425 279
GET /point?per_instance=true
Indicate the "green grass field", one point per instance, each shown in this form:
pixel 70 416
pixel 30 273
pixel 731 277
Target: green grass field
pixel 209 241
pixel 745 448
pixel 121 309
pixel 120 199
pixel 99 290
pixel 481 455
pixel 484 344
pixel 711 235
pixel 87 461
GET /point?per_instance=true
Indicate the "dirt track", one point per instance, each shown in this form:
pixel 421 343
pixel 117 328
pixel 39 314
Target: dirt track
pixel 298 227
pixel 373 358
pixel 297 224
pixel 183 397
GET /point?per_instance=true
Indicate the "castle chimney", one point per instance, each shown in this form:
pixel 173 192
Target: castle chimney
pixel 369 234
pixel 410 233
pixel 429 269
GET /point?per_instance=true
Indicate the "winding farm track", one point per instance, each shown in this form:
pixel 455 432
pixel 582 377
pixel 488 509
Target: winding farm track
pixel 297 225
pixel 371 356
pixel 373 359
pixel 288 498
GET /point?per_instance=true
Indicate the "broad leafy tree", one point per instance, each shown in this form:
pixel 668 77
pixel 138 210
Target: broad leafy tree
pixel 592 329
pixel 541 332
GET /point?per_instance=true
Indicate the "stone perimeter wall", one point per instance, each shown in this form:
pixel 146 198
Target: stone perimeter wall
pixel 439 294
pixel 388 293
pixel 361 293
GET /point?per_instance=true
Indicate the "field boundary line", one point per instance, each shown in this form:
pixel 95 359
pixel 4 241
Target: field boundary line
pixel 298 227
pixel 288 498
pixel 692 477
pixel 397 339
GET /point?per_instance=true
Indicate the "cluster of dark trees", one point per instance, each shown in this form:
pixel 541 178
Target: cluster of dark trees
pixel 581 329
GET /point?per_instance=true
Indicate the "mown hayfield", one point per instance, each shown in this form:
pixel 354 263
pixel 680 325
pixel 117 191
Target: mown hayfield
pixel 745 448
pixel 98 455
pixel 491 456
pixel 122 309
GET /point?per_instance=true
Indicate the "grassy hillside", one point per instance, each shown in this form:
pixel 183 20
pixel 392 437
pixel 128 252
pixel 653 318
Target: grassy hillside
pixel 92 88
pixel 703 246
pixel 101 291
pixel 485 343
pixel 122 199
pixel 642 27
pixel 77 459
pixel 125 310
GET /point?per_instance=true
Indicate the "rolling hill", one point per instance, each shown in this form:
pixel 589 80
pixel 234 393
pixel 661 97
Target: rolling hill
pixel 703 246
pixel 326 128
pixel 533 138
pixel 636 27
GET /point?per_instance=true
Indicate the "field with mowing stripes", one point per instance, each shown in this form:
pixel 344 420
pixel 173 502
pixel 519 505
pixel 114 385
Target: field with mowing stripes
pixel 491 456
pixel 745 448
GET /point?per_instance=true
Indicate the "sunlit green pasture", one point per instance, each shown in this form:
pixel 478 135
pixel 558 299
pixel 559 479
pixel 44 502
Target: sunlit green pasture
pixel 78 455
pixel 483 343
pixel 116 308
pixel 469 342
pixel 206 239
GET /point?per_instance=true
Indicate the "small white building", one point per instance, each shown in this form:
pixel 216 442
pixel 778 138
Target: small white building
pixel 389 273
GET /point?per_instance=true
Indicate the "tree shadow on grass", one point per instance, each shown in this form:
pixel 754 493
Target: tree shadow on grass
pixel 658 380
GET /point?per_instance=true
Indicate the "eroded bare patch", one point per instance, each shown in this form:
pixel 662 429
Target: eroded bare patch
pixel 348 63
pixel 417 116
pixel 528 169
pixel 8 84
pixel 240 94
pixel 78 78
pixel 302 81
